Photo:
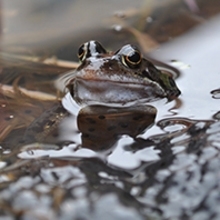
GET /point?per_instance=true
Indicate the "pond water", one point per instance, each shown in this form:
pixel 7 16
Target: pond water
pixel 160 161
pixel 195 54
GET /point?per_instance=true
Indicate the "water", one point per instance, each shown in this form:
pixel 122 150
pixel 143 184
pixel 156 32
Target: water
pixel 160 164
pixel 197 55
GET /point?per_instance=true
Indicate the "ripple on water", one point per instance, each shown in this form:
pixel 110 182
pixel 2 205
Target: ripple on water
pixel 215 94
pixel 174 124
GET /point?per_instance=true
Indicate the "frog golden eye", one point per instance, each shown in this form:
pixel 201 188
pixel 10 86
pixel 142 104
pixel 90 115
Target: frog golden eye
pixel 90 49
pixel 130 56
pixel 81 52
pixel 132 60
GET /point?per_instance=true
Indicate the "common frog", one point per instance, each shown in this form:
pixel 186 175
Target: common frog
pixel 109 78
pixel 119 77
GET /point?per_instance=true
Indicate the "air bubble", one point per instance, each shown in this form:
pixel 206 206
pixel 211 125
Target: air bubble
pixel 117 27
pixel 149 19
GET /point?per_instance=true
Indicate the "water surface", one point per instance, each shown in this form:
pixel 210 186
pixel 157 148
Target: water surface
pixel 160 164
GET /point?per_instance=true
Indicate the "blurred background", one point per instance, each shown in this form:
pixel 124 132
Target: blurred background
pixel 53 27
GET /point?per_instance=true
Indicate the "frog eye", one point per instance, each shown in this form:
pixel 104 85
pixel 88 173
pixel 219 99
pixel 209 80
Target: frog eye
pixel 90 49
pixel 130 56
pixel 81 52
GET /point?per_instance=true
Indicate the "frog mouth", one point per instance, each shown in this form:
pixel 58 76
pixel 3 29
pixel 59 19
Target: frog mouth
pixel 149 79
pixel 115 89
pixel 101 91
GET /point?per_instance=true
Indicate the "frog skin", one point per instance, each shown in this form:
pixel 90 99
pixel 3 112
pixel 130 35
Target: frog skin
pixel 117 77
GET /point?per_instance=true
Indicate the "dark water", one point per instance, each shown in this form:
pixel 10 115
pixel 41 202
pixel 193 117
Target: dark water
pixel 160 161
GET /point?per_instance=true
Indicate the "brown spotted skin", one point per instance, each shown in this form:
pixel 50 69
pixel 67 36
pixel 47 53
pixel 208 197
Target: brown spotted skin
pixel 101 127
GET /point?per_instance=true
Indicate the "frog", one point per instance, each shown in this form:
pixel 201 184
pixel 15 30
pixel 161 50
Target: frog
pixel 120 77
pixel 118 83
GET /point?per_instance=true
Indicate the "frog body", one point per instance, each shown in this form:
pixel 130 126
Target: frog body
pixel 108 78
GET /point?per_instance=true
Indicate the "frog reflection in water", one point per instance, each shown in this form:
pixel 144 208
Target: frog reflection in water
pixel 124 81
